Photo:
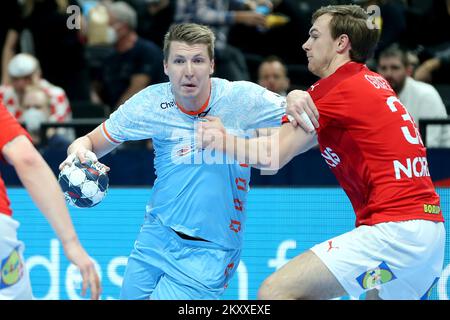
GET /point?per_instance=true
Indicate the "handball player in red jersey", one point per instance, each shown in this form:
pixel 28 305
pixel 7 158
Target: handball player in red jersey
pixel 372 145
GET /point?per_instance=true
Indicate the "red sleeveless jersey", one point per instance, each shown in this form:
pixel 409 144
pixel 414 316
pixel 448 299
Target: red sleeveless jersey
pixel 373 147
pixel 9 129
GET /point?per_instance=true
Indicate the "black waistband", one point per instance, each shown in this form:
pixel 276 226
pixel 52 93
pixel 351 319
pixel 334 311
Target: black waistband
pixel 187 237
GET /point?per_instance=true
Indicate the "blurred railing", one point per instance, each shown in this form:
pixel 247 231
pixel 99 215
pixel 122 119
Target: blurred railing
pixel 423 123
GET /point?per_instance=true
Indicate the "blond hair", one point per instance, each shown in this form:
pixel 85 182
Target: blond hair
pixel 191 33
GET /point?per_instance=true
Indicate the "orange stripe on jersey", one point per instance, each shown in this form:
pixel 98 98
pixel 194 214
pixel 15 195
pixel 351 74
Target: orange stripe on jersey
pixel 108 135
pixel 244 165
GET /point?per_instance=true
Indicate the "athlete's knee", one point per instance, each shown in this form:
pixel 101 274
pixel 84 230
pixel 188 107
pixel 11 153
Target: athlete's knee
pixel 265 291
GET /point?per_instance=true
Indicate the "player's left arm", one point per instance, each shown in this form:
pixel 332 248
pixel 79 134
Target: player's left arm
pixel 34 173
pixel 37 177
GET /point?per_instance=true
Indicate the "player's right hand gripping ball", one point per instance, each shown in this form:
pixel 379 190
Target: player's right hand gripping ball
pixel 84 184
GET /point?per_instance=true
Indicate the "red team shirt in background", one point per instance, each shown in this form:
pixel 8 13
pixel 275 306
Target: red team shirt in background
pixel 9 129
pixel 373 147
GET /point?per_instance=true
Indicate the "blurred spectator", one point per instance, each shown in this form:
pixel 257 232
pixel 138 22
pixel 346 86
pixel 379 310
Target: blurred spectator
pixel 272 74
pixel 421 99
pixel 57 43
pixel 154 19
pixel 219 15
pixel 392 20
pixel 134 63
pixel 24 70
pixel 283 40
pixel 9 16
pixel 36 110
pixel 432 38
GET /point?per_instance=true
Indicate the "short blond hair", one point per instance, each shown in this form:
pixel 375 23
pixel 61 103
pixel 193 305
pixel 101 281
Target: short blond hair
pixel 352 20
pixel 191 33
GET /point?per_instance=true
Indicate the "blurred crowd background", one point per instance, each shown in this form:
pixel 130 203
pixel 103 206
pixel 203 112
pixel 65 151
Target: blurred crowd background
pixel 72 63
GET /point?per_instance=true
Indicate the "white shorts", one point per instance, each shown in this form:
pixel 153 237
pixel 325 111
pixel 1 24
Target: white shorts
pixel 14 278
pixel 403 260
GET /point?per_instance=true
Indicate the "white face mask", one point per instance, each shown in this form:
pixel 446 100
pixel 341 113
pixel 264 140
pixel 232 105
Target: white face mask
pixel 111 35
pixel 33 119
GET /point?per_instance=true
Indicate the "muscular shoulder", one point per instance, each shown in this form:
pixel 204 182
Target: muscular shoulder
pixel 151 105
pixel 150 99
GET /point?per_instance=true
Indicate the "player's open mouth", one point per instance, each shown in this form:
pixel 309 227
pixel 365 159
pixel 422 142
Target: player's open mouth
pixel 189 85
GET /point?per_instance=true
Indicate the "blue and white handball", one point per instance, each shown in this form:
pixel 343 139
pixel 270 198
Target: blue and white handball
pixel 84 184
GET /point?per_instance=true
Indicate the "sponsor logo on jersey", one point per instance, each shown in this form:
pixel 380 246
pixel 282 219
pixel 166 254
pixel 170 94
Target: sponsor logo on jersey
pixel 331 158
pixel 313 86
pixel 167 105
pixel 376 276
pixel 431 208
pixel 330 246
pixel 417 167
pixel 184 151
pixel 11 269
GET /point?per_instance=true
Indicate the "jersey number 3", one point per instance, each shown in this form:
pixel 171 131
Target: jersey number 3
pixel 414 137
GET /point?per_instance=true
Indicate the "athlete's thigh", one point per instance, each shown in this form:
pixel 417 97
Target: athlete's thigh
pixel 140 278
pixel 146 262
pixel 170 288
pixel 304 277
pixel 196 270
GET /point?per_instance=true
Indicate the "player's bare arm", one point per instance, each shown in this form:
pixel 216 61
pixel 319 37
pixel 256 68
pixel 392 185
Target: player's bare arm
pixel 89 147
pixel 34 172
pixel 264 152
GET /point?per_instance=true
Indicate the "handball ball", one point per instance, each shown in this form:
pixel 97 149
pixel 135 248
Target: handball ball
pixel 84 184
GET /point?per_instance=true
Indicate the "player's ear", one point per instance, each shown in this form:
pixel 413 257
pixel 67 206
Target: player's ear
pixel 211 68
pixel 165 68
pixel 343 43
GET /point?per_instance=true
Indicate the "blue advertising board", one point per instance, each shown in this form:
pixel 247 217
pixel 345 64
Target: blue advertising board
pixel 281 223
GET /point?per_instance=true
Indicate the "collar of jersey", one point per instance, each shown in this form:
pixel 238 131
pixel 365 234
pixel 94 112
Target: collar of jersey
pixel 203 107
